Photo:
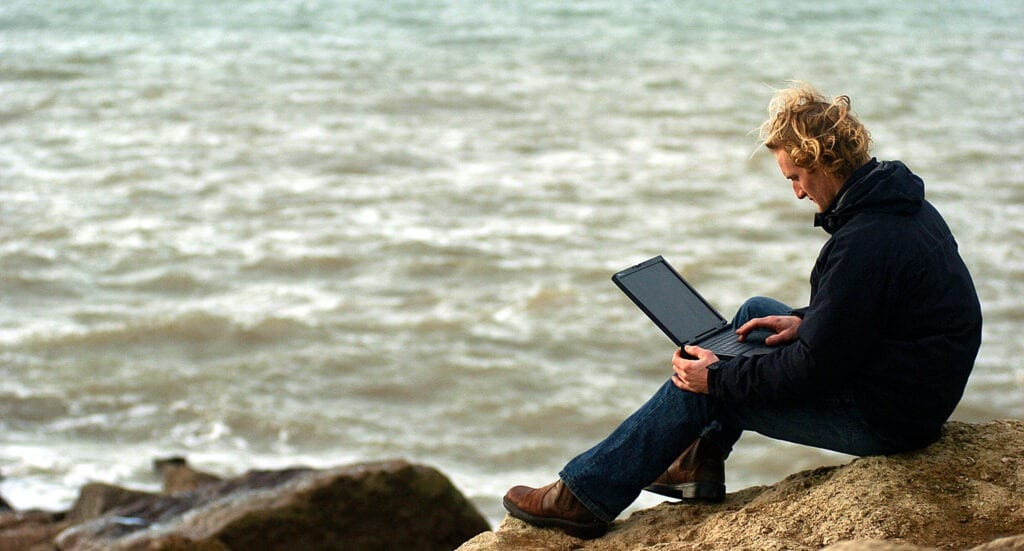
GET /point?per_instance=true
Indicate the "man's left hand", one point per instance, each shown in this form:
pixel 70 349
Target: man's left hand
pixel 689 374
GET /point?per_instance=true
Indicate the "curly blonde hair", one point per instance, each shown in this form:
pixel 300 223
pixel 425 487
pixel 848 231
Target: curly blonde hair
pixel 815 132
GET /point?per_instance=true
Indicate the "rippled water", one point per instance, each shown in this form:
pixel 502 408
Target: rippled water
pixel 268 233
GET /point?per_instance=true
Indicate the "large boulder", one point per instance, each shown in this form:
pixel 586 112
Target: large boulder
pixel 385 505
pixel 963 491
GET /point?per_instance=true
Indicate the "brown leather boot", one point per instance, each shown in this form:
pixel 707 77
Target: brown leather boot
pixel 699 473
pixel 554 506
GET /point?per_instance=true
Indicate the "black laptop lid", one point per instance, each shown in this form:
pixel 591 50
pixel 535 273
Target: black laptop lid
pixel 669 300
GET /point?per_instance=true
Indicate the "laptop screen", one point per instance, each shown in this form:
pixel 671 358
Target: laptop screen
pixel 668 300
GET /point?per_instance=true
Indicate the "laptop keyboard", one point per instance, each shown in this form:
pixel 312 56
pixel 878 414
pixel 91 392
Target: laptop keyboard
pixel 725 343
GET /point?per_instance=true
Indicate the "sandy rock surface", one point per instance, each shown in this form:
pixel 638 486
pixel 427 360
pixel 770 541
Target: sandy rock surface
pixel 964 491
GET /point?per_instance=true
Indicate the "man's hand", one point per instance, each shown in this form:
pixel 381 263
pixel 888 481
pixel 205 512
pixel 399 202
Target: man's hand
pixel 784 329
pixel 689 374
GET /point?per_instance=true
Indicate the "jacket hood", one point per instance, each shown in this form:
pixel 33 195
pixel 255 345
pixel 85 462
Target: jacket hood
pixel 886 187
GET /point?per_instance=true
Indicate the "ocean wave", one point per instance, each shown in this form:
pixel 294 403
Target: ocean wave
pixel 317 265
pixel 19 409
pixel 365 159
pixel 40 74
pixel 184 330
pixel 26 105
pixel 174 282
pixel 46 287
pixel 442 98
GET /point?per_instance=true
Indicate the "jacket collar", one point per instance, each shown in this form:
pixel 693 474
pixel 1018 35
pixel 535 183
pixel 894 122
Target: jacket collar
pixel 884 187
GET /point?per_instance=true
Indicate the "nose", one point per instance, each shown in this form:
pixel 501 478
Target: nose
pixel 799 191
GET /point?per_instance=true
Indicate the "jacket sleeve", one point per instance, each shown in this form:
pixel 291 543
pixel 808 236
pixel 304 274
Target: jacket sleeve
pixel 836 334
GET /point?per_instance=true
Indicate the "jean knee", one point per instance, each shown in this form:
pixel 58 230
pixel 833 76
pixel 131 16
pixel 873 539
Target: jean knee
pixel 759 307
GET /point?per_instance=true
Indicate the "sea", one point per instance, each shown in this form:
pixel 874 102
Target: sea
pixel 261 234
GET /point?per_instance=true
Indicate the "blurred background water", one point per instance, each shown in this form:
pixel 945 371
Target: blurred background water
pixel 261 234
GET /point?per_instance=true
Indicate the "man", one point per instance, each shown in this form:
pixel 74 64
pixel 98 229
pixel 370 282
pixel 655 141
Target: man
pixel 875 364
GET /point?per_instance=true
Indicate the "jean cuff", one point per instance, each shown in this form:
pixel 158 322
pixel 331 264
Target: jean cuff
pixel 583 498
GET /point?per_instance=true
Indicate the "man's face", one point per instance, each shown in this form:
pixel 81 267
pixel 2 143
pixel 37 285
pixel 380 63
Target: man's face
pixel 815 185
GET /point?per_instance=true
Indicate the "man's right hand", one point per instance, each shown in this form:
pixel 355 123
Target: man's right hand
pixel 783 328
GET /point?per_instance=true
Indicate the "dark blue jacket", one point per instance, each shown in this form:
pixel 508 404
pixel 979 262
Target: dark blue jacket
pixel 893 321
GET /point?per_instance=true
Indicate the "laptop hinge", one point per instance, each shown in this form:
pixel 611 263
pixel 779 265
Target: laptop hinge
pixel 709 332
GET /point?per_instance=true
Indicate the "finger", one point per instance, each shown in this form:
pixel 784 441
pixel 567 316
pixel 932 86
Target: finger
pixel 746 328
pixel 780 338
pixel 696 351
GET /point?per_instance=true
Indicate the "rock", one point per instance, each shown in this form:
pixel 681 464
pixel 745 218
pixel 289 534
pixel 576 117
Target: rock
pixel 875 545
pixel 1002 544
pixel 96 498
pixel 961 492
pixel 386 505
pixel 179 476
pixel 29 530
pixel 4 506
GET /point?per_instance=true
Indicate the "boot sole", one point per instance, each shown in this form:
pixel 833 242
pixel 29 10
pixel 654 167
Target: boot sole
pixel 582 530
pixel 697 491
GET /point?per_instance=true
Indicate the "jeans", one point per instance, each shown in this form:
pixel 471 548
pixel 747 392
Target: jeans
pixel 609 476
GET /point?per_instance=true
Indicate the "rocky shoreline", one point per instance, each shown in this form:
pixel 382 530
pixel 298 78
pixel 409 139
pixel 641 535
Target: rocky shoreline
pixel 382 505
pixel 963 492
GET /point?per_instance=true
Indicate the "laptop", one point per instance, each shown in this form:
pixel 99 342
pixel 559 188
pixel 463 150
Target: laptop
pixel 679 310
